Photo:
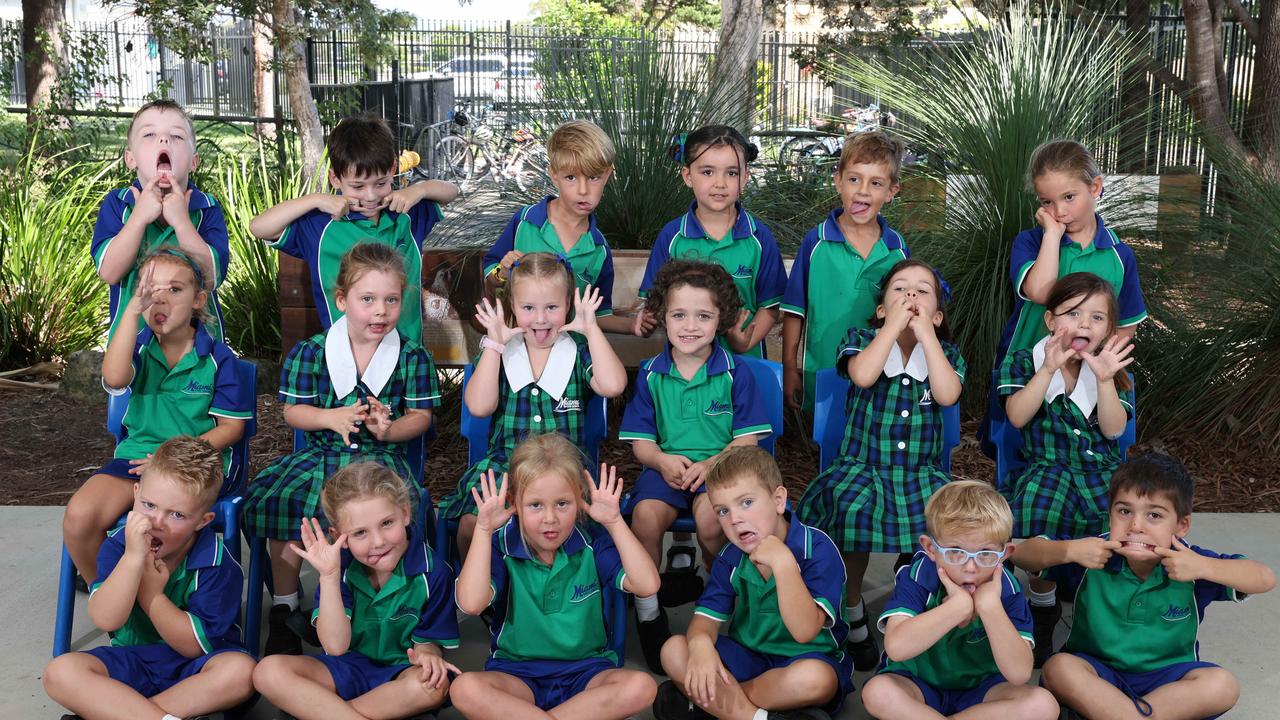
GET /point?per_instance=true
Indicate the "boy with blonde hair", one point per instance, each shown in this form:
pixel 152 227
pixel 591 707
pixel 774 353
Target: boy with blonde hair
pixel 957 630
pixel 169 594
pixel 580 163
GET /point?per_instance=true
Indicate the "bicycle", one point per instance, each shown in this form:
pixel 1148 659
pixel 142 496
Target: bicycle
pixel 468 150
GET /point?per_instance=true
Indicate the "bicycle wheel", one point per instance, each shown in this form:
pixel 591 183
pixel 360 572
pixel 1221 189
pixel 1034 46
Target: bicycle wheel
pixel 531 170
pixel 452 159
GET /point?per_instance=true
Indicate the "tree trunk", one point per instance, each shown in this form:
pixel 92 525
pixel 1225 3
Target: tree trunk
pixel 1135 98
pixel 733 78
pixel 292 56
pixel 264 79
pixel 1262 123
pixel 1202 76
pixel 42 46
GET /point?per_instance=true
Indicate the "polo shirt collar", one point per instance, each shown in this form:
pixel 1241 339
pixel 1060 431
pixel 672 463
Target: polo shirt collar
pixel 719 361
pixel 691 228
pixel 199 200
pixel 202 343
pixel 538 216
pixel 512 541
pixel 416 560
pixel 1102 237
pixel 831 231
pixel 340 361
pixel 556 373
pixel 797 539
pixel 206 551
pixel 1085 394
pixel 915 366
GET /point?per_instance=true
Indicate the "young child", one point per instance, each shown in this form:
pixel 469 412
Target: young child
pixel 162 208
pixel 834 279
pixel 713 163
pixel 691 403
pixel 957 630
pixel 360 392
pixel 543 575
pixel 169 595
pixel 535 377
pixel 904 370
pixel 779 585
pixel 384 609
pixel 1072 399
pixel 1072 237
pixel 181 381
pixel 580 163
pixel 320 228
pixel 1140 596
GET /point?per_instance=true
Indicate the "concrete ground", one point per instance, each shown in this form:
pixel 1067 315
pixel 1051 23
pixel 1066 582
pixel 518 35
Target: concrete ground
pixel 1243 639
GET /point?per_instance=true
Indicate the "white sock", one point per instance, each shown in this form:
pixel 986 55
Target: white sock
pixel 682 560
pixel 1048 598
pixel 647 608
pixel 857 632
pixel 291 600
pixel 173 717
pixel 761 714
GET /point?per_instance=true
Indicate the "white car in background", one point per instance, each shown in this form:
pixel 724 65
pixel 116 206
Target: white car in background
pixel 487 76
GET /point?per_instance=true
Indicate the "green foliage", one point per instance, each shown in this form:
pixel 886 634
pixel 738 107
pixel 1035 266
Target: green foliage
pixel 984 108
pixel 606 15
pixel 52 302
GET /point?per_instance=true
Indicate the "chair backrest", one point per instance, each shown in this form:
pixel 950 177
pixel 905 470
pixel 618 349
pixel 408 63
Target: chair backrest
pixel 830 418
pixel 476 429
pixel 238 477
pixel 768 377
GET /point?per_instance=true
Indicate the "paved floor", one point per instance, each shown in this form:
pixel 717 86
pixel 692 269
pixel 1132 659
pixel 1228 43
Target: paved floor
pixel 1243 639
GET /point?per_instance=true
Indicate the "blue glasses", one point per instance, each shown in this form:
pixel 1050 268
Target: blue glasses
pixel 960 556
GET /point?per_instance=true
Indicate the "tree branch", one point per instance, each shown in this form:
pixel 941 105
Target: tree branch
pixel 1204 96
pixel 1247 22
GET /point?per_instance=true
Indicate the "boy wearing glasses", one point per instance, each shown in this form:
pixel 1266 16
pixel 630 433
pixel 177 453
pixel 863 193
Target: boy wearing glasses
pixel 957 631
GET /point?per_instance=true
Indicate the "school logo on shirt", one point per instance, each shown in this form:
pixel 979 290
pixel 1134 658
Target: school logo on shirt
pixel 718 407
pixel 743 271
pixel 404 611
pixel 928 397
pixel 1176 613
pixel 195 388
pixel 568 405
pixel 582 592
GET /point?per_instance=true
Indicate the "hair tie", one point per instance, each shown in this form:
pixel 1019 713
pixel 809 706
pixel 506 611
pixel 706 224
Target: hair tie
pixel 943 288
pixel 186 259
pixel 679 152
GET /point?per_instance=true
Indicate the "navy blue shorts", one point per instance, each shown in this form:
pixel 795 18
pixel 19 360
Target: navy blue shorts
pixel 118 467
pixel 151 669
pixel 1138 684
pixel 354 674
pixel 949 702
pixel 553 682
pixel 745 664
pixel 651 486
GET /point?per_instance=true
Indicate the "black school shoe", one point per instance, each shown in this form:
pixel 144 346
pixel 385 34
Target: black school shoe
pixel 680 585
pixel 1044 620
pixel 281 639
pixel 807 713
pixel 653 635
pixel 671 704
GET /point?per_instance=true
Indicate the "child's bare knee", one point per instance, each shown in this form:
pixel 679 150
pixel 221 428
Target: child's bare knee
pixel 1059 670
pixel 1221 686
pixel 675 656
pixel 812 683
pixel 881 695
pixel 235 673
pixel 63 672
pixel 638 689
pixel 1038 704
pixel 271 673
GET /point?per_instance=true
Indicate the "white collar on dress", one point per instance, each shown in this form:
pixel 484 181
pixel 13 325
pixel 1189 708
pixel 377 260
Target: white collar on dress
pixel 915 366
pixel 556 373
pixel 1085 394
pixel 341 362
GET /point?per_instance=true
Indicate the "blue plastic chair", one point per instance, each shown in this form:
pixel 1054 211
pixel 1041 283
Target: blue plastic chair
pixel 226 511
pixel 830 419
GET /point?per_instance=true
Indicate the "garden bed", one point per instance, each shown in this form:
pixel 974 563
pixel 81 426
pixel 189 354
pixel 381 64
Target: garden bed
pixel 54 443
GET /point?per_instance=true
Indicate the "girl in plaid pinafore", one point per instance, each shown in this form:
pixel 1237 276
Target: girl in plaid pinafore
pixel 359 392
pixel 538 376
pixel 903 370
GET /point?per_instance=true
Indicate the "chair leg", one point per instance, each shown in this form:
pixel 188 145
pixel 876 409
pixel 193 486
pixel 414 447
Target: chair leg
pixel 258 559
pixel 66 605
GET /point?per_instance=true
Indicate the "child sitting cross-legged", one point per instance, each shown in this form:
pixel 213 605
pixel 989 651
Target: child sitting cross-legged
pixel 779 584
pixel 957 630
pixel 169 595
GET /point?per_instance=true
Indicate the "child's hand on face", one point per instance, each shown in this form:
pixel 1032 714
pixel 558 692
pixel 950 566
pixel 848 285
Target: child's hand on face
pixel 1092 552
pixel 703 673
pixel 644 323
pixel 335 206
pixel 136 467
pixel 672 468
pixel 491 501
pixel 1181 563
pixel 324 556
pixel 1053 230
pixel 148 203
pixel 1112 357
pixel 921 325
pixel 400 200
pixel 957 598
pixel 606 498
pixel 147 293
pixel 585 304
pixel 898 315
pixel 174 207
pixel 379 418
pixel 137 534
pixel 987 597
pixel 772 553
pixel 435 671
pixel 1058 351
pixel 491 317
pixel 694 475
pixel 346 421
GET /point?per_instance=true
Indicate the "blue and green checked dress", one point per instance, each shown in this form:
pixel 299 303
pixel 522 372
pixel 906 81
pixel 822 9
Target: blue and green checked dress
pixel 530 410
pixel 1062 491
pixel 288 490
pixel 871 498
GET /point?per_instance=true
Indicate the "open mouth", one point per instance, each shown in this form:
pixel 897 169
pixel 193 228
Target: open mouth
pixel 1138 545
pixel 746 537
pixel 377 328
pixel 687 339
pixel 158 319
pixel 550 535
pixel 156 544
pixel 541 335
pixel 859 208
pixel 1079 343
pixel 164 165
pixel 970 588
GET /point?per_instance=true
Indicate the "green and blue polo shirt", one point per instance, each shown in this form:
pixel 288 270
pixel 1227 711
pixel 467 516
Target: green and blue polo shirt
pixel 833 288
pixel 962 658
pixel 415 605
pixel 206 586
pixel 322 241
pixel 699 417
pixel 530 231
pixel 210 223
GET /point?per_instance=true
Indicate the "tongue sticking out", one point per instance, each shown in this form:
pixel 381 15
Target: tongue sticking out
pixel 1079 343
